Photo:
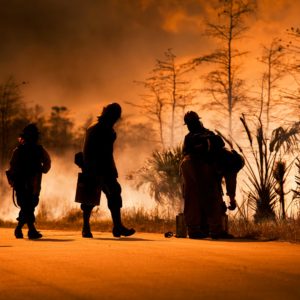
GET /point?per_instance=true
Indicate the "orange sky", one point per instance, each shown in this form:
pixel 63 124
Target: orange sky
pixel 83 53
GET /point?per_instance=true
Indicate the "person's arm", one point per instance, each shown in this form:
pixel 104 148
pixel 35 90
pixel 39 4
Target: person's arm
pixel 46 161
pixel 230 180
pixel 14 161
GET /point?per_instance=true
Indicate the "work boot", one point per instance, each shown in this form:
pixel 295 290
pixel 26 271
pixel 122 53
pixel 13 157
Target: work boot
pixel 86 232
pixel 33 234
pixel 197 232
pixel 18 232
pixel 86 229
pixel 122 230
pixel 119 229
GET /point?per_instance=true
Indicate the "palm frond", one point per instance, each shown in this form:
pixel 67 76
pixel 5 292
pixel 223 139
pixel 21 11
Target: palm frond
pixel 160 175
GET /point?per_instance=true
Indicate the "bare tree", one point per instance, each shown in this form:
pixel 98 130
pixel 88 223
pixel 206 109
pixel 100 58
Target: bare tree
pixel 273 58
pixel 175 88
pixel 224 83
pixel 59 133
pixel 168 95
pixel 293 48
pixel 153 103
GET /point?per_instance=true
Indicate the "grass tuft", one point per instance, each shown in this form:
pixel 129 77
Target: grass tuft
pixel 154 221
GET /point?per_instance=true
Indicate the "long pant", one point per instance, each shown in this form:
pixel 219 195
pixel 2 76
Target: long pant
pixel 112 190
pixel 202 193
pixel 27 202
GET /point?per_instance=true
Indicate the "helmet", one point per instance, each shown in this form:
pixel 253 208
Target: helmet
pixel 30 132
pixel 191 117
pixel 112 110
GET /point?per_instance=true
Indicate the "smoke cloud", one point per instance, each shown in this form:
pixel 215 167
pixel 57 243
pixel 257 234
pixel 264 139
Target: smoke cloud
pixel 90 52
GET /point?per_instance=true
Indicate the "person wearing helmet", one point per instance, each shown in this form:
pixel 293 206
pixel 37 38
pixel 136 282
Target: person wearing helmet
pixel 100 172
pixel 204 208
pixel 29 160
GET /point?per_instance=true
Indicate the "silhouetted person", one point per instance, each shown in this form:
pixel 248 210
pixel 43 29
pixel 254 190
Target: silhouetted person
pixel 202 170
pixel 29 160
pixel 98 167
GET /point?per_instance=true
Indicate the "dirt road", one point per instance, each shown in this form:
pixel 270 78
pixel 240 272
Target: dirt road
pixel 63 265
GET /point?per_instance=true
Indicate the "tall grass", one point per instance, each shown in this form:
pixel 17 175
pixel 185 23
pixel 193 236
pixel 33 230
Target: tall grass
pixel 154 221
pixel 265 168
pixel 281 230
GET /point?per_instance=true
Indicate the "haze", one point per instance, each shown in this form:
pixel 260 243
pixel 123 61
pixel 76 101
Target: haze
pixel 84 53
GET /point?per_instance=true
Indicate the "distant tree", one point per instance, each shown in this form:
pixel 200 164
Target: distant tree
pixel 293 49
pixel 153 104
pixel 168 95
pixel 273 58
pixel 11 117
pixel 79 133
pixel 224 83
pixel 60 136
pixel 175 87
pixel 134 135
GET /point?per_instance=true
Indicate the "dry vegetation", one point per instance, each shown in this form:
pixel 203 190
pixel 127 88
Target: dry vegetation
pixel 153 221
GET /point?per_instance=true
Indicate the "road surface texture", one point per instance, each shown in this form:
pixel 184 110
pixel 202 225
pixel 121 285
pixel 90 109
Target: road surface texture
pixel 63 265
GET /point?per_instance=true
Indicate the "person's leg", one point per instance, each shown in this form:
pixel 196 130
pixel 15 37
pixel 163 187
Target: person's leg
pixel 193 211
pixel 112 190
pixel 21 223
pixel 22 220
pixel 216 217
pixel 32 231
pixel 86 213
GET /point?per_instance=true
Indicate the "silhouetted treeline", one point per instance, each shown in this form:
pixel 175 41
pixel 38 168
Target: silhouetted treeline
pixel 58 131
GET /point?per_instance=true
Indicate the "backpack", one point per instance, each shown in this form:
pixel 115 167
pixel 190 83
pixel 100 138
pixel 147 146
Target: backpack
pixel 230 161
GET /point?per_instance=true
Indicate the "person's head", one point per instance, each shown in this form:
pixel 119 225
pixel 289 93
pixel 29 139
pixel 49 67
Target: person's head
pixel 192 121
pixel 111 113
pixel 30 133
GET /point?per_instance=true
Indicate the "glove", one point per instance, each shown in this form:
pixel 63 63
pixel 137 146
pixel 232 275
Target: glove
pixel 224 207
pixel 232 205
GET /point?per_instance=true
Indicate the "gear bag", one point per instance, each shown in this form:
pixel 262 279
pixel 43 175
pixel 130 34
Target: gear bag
pixel 230 161
pixel 88 189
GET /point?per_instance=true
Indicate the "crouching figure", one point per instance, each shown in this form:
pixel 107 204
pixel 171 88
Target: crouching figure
pixel 206 162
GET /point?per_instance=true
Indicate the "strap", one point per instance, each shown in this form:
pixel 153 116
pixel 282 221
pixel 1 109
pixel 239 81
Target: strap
pixel 13 197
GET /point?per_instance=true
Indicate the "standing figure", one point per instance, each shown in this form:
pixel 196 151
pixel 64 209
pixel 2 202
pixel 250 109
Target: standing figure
pixel 99 171
pixel 202 170
pixel 29 160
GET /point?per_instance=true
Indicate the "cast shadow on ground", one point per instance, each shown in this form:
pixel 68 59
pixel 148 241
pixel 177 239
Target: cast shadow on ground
pixel 125 239
pixel 52 240
pixel 236 240
pixel 5 246
pixel 245 240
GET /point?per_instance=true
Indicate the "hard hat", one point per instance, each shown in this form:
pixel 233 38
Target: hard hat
pixel 112 110
pixel 30 132
pixel 191 117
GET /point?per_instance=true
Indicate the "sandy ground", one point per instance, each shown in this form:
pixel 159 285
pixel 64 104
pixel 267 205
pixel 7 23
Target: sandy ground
pixel 63 265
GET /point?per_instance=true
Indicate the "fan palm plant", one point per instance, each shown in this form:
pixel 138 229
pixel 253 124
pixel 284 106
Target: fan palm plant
pixel 265 163
pixel 161 176
pixel 297 191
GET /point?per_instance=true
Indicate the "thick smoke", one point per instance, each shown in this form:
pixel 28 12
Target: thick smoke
pixel 85 53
